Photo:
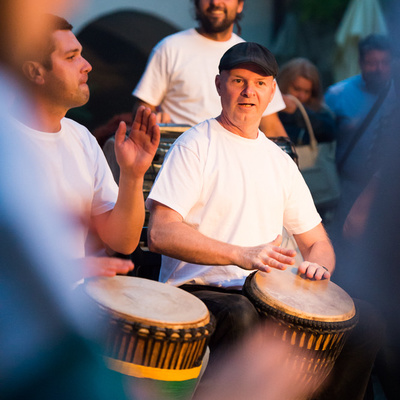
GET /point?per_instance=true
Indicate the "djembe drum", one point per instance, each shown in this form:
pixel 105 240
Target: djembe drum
pixel 156 332
pixel 313 317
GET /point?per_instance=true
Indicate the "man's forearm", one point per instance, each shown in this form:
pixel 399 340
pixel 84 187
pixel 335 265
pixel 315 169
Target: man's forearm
pixel 168 234
pixel 321 252
pixel 121 228
pixel 181 241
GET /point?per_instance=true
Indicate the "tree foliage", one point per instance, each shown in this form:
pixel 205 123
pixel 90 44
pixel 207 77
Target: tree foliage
pixel 321 11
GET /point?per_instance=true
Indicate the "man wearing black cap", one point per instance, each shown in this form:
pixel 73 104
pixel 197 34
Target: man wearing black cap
pixel 218 208
pixel 224 194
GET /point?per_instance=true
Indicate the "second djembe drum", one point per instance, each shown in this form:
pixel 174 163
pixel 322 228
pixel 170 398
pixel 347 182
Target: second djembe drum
pixel 313 317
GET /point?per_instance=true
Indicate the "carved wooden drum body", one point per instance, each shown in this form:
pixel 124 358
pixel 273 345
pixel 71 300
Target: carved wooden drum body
pixel 155 330
pixel 313 317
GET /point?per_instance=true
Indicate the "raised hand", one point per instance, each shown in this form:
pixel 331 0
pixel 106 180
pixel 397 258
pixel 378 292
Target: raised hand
pixel 136 151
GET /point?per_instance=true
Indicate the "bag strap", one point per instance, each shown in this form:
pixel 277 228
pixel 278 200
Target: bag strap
pixel 364 125
pixel 313 140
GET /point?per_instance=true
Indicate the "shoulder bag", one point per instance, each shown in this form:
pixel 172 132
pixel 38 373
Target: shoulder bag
pixel 317 165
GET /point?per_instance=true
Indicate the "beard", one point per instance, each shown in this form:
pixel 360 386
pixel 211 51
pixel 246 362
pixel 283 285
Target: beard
pixel 212 25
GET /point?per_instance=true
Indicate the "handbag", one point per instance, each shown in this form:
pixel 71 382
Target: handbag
pixel 318 166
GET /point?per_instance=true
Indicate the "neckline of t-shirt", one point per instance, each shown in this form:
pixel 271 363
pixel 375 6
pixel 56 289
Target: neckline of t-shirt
pixel 41 134
pixel 215 43
pixel 236 137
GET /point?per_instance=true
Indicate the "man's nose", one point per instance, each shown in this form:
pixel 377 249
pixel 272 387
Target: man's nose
pixel 248 91
pixel 87 66
pixel 215 2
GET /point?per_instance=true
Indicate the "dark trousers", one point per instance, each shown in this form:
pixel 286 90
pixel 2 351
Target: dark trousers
pixel 236 316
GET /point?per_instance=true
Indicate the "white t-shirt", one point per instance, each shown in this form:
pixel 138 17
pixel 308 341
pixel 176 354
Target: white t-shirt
pixel 180 76
pixel 76 173
pixel 236 190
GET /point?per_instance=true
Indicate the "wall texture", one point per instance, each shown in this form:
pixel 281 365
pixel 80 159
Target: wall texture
pixel 256 23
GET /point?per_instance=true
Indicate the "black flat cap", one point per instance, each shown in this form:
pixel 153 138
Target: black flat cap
pixel 249 52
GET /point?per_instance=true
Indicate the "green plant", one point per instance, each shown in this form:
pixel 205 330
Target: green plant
pixel 321 11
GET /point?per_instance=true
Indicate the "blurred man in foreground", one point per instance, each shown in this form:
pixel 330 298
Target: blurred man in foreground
pixel 44 353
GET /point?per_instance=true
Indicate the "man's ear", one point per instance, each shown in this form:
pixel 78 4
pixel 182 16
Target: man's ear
pixel 34 72
pixel 218 83
pixel 240 6
pixel 273 90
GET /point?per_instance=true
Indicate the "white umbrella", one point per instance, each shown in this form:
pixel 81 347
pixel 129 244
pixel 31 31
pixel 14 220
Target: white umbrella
pixel 362 17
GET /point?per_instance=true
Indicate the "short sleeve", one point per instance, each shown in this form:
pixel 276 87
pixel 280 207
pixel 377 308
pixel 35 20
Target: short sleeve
pixel 300 213
pixel 105 188
pixel 179 182
pixel 153 85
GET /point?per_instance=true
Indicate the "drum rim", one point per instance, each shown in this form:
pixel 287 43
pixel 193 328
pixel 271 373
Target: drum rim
pixel 154 330
pixel 130 318
pixel 294 320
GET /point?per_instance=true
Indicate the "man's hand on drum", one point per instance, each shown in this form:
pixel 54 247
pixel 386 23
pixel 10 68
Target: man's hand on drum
pixel 312 270
pixel 104 266
pixel 267 256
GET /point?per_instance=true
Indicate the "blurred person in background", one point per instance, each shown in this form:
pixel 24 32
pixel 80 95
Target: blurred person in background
pixel 375 253
pixel 301 87
pixel 371 229
pixel 178 81
pixel 300 78
pixel 364 231
pixel 359 103
pixel 371 234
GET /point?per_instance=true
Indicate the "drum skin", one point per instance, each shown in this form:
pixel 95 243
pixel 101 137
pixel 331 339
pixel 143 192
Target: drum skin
pixel 313 317
pixel 150 324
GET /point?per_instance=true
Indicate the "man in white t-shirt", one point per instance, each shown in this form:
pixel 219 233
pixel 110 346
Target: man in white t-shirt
pixel 218 207
pixel 73 165
pixel 179 78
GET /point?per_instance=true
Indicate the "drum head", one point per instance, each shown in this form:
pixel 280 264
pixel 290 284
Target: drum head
pixel 147 301
pixel 292 294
